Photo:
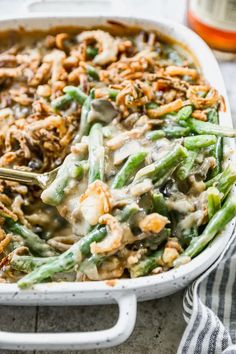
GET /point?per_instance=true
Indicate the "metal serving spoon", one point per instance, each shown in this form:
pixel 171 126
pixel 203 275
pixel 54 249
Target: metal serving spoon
pixel 31 178
pixel 101 110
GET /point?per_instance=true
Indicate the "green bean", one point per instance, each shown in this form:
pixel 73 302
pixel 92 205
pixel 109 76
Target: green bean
pixel 213 201
pixel 199 141
pixel 216 179
pixel 175 131
pixel 158 169
pixel 76 94
pixel 217 152
pixel 72 168
pixel 155 135
pixel 128 211
pixel 200 127
pixel 152 105
pixel 111 93
pixel 186 166
pixel 92 72
pixel 215 225
pixel 96 235
pixel 27 264
pixel 159 204
pixel 184 113
pixel 84 125
pixel 160 181
pixel 218 155
pixel 91 52
pixel 66 261
pixel 223 181
pixel 33 241
pixel 170 131
pixel 213 116
pixel 96 154
pixel 128 169
pixel 71 93
pixel 170 117
pixel 146 265
pixel 155 240
pixel 61 102
pixel 188 235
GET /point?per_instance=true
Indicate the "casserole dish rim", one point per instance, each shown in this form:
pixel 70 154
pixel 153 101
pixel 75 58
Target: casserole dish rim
pixel 188 35
pixel 125 292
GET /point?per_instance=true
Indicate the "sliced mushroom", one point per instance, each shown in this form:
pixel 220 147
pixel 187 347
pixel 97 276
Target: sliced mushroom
pixel 102 111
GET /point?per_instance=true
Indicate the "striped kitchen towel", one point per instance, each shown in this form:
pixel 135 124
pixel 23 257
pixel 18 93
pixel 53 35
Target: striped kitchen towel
pixel 210 308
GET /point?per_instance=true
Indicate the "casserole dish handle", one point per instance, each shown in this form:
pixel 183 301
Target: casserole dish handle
pixel 115 335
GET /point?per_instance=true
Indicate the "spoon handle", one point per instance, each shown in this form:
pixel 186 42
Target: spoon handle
pixel 24 177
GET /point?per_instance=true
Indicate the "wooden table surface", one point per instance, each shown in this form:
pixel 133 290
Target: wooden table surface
pixel 160 323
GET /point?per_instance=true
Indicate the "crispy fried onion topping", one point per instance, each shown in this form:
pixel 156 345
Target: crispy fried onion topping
pixel 95 202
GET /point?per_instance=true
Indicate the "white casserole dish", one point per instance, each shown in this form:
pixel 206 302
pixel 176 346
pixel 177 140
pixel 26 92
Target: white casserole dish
pixel 125 292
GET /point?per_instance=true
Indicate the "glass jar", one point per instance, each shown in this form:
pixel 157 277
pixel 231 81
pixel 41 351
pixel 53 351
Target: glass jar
pixel 215 22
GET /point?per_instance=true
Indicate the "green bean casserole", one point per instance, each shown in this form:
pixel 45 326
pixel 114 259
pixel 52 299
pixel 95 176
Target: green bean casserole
pixel 120 135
